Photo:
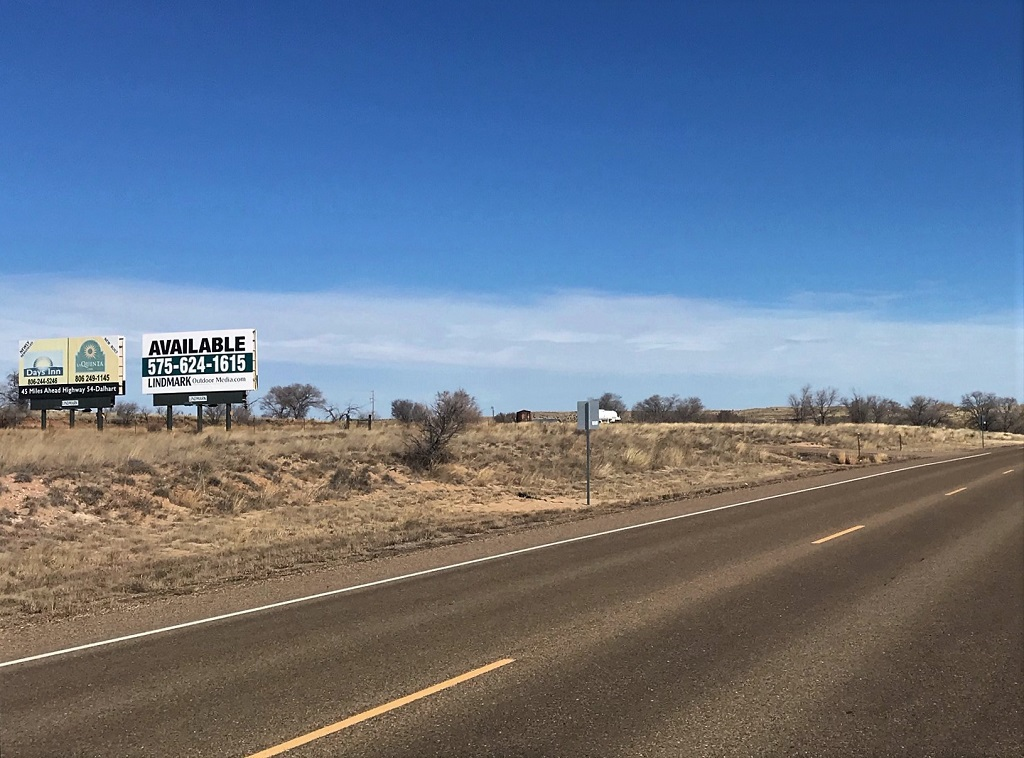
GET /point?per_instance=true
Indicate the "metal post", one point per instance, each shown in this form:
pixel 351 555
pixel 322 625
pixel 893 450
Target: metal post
pixel 588 458
pixel 586 416
pixel 99 419
pixel 199 419
pixel 42 419
pixel 71 420
pixel 170 417
pixel 858 447
pixel 227 417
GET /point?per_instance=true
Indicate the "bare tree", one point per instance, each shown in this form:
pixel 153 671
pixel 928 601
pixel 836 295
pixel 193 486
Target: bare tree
pixel 885 410
pixel 978 407
pixel 802 404
pixel 242 414
pixel 215 414
pixel 292 401
pixel 1007 415
pixel 658 409
pixel 450 414
pixel 654 409
pixel 9 393
pixel 13 407
pixel 927 411
pixel 863 409
pixel 689 409
pixel 857 408
pixel 609 401
pixel 127 413
pixel 823 404
pixel 408 411
pixel 336 413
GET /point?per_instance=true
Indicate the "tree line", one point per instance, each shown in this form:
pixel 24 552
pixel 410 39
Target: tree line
pixel 824 405
pixel 976 410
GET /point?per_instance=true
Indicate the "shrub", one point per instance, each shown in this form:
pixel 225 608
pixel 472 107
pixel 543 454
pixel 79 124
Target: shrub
pixel 449 415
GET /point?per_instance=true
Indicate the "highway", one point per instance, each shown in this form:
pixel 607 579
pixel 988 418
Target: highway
pixel 877 615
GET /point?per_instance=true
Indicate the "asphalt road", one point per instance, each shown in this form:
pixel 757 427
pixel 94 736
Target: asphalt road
pixel 730 633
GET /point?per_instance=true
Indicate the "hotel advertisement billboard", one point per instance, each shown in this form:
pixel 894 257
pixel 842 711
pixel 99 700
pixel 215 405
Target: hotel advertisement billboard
pixel 71 367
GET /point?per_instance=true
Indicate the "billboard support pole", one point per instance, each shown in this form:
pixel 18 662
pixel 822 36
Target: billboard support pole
pixel 99 419
pixel 42 419
pixel 170 417
pixel 71 420
pixel 199 419
pixel 227 417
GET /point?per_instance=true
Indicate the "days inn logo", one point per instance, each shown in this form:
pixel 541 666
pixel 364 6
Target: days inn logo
pixel 44 366
pixel 90 358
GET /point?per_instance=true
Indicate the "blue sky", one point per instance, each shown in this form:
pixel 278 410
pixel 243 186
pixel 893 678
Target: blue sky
pixel 535 201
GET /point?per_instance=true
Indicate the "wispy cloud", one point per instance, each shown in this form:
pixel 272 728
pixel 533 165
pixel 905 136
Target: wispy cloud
pixel 583 333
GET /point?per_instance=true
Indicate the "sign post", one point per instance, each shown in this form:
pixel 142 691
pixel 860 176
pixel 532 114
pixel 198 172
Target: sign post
pixel 587 417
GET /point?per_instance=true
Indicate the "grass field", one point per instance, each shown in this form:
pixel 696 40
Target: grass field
pixel 89 520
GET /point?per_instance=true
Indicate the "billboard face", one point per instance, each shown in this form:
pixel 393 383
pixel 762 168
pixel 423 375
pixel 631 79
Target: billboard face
pixel 197 362
pixel 71 367
pixel 42 362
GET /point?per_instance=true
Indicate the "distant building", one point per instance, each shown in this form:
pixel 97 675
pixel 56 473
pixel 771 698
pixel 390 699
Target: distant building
pixel 523 416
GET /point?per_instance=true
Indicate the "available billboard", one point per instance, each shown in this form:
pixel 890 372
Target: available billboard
pixel 215 361
pixel 70 367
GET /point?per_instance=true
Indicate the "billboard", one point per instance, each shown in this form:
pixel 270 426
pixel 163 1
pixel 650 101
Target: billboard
pixel 198 362
pixel 70 367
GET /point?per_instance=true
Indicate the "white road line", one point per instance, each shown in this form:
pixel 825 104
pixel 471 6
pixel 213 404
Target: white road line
pixel 462 564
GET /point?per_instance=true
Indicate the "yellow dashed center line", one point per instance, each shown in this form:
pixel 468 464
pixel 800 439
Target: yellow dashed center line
pixel 366 715
pixel 838 534
pixel 956 492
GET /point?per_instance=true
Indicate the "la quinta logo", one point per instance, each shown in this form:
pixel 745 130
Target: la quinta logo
pixel 90 358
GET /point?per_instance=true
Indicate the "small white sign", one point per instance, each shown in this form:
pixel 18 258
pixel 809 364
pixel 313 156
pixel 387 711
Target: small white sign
pixel 197 398
pixel 68 403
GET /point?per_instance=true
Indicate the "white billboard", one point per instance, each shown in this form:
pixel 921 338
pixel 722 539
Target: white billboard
pixel 215 361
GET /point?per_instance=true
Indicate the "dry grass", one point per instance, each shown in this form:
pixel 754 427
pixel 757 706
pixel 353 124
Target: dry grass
pixel 90 519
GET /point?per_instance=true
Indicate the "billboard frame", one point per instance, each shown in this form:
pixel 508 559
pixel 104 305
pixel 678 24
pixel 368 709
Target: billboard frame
pixel 199 362
pixel 83 384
